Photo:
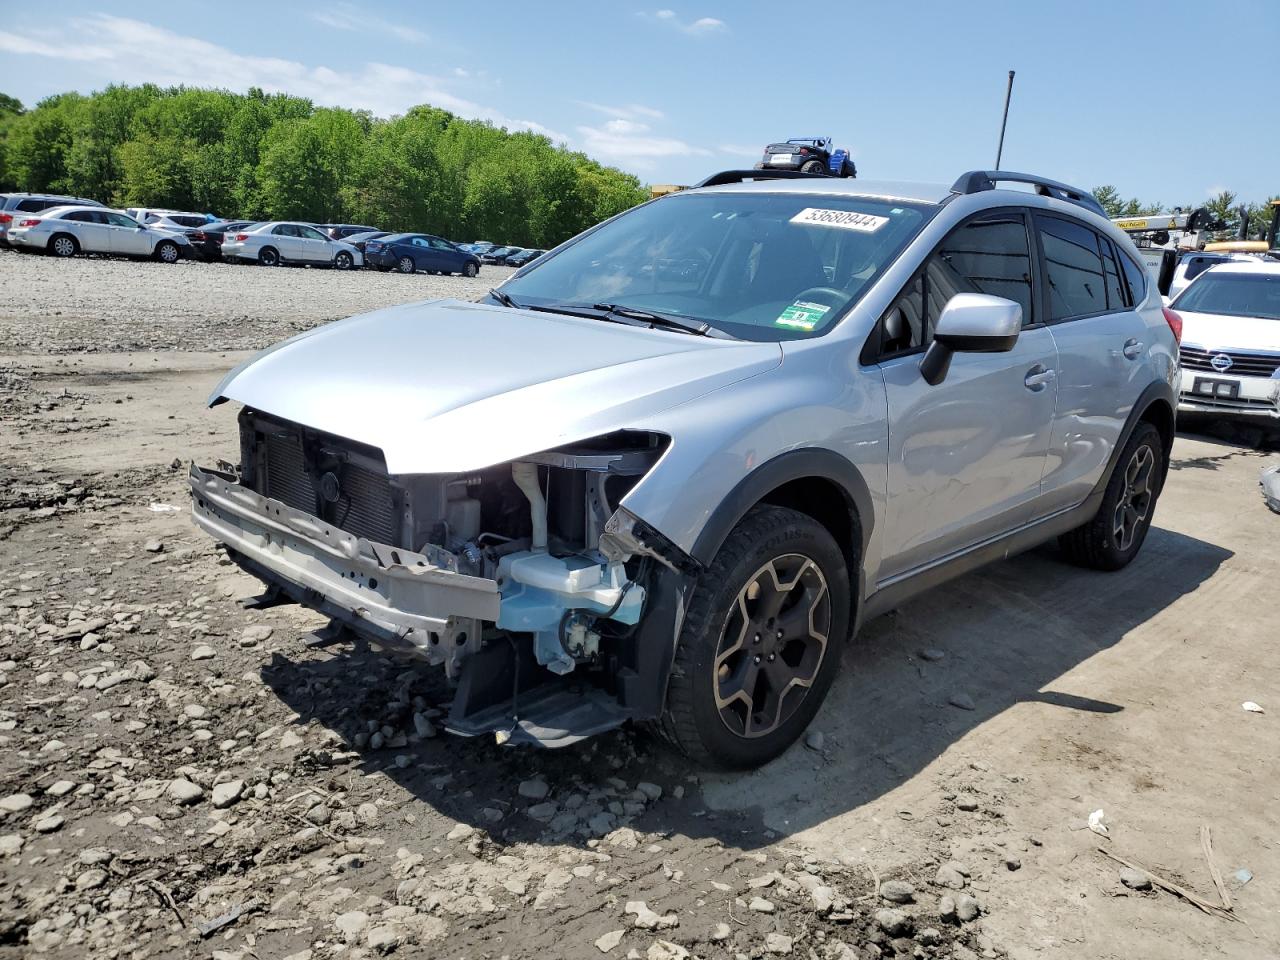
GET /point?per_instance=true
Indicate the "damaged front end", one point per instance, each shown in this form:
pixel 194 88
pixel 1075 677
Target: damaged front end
pixel 552 608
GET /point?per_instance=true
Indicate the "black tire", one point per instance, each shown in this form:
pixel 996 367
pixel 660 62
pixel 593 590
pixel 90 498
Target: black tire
pixel 63 245
pixel 1116 533
pixel 813 166
pixel 470 270
pixel 801 578
pixel 269 257
pixel 343 260
pixel 167 251
pixel 406 265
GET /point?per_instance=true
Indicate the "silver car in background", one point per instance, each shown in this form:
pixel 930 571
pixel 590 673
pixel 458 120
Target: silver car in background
pixel 67 231
pixel 14 205
pixel 282 242
pixel 667 469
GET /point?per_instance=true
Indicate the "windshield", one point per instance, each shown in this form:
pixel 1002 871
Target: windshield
pixel 758 266
pixel 1233 295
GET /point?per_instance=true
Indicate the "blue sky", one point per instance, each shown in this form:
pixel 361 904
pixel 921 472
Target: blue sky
pixel 1143 95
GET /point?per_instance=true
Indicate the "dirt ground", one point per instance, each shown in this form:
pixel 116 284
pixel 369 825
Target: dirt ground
pixel 182 777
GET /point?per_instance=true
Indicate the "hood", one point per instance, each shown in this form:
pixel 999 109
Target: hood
pixel 1216 331
pixel 449 386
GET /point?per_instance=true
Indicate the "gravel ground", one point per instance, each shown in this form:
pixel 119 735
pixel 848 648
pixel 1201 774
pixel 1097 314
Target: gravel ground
pixel 184 777
pixel 91 304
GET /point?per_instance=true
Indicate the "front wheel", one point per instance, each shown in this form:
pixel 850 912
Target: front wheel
pixel 470 270
pixel 167 251
pixel 761 641
pixel 343 261
pixel 1115 534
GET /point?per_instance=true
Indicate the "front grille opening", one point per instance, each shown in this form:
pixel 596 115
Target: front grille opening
pixel 338 481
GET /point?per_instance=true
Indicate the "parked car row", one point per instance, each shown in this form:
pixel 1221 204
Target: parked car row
pixel 66 226
pixel 507 256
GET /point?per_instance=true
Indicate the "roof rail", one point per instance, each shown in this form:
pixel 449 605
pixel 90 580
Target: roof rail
pixel 975 181
pixel 738 176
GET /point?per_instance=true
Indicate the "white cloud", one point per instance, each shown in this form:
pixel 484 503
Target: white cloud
pixel 346 16
pixel 122 50
pixel 630 112
pixel 702 25
pixel 1214 191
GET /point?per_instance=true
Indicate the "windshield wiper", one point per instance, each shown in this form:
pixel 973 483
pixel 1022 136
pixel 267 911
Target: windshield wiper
pixel 504 299
pixel 671 321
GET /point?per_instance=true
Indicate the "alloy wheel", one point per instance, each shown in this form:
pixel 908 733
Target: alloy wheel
pixel 772 645
pixel 1135 501
pixel 64 246
pixel 406 265
pixel 168 253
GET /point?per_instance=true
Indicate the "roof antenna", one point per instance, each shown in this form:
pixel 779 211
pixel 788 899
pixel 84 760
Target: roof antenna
pixel 1003 123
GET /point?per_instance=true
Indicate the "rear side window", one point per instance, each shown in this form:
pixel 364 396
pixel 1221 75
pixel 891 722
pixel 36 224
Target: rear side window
pixel 1137 278
pixel 1115 286
pixel 35 204
pixel 82 216
pixel 1073 269
pixel 990 254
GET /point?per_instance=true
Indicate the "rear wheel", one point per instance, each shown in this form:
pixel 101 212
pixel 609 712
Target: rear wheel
pixel 63 245
pixel 167 251
pixel 269 257
pixel 813 166
pixel 1115 534
pixel 406 265
pixel 761 641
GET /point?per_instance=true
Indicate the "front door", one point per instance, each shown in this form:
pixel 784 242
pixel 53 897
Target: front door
pixel 965 456
pixel 316 247
pixel 127 237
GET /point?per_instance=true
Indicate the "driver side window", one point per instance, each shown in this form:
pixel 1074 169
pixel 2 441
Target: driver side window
pixel 990 254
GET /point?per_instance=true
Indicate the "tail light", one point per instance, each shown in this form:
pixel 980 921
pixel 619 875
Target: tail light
pixel 372 246
pixel 1174 320
pixel 29 223
pixel 804 151
pixel 198 235
pixel 6 217
pixel 241 237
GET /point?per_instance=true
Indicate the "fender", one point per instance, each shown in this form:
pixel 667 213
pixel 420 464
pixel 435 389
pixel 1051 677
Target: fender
pixel 794 465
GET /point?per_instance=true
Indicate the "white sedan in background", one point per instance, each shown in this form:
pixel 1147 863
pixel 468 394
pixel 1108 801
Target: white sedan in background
pixel 1231 342
pixel 66 231
pixel 277 242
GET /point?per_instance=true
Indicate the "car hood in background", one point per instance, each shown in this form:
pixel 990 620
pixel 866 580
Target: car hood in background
pixel 1216 331
pixel 449 386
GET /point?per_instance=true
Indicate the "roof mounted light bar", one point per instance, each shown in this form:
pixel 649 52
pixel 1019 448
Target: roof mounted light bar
pixel 975 181
pixel 739 176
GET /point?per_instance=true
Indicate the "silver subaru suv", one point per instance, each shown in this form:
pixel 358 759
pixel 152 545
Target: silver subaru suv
pixel 666 471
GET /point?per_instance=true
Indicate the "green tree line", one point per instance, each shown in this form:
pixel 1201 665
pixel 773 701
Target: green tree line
pixel 1225 206
pixel 274 156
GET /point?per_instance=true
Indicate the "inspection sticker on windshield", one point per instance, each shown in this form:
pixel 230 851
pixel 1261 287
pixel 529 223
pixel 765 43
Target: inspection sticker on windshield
pixel 844 219
pixel 802 315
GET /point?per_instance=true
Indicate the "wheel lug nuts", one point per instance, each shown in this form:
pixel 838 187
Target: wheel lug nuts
pixel 779 634
pixel 757 639
pixel 757 659
pixel 771 658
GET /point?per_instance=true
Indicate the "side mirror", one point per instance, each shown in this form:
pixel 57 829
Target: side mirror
pixel 970 323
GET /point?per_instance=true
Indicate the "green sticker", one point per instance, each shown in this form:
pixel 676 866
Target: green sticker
pixel 802 315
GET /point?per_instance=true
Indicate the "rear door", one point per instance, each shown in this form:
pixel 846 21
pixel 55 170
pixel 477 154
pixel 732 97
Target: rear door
pixel 284 237
pixel 1102 349
pixel 965 456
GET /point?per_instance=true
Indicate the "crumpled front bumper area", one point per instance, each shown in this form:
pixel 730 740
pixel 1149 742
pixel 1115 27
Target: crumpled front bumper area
pixel 396 597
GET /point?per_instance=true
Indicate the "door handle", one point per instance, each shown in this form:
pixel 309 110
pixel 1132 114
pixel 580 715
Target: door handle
pixel 1038 377
pixel 1132 347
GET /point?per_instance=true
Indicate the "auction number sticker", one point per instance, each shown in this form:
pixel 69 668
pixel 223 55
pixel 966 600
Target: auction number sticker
pixel 802 315
pixel 844 219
